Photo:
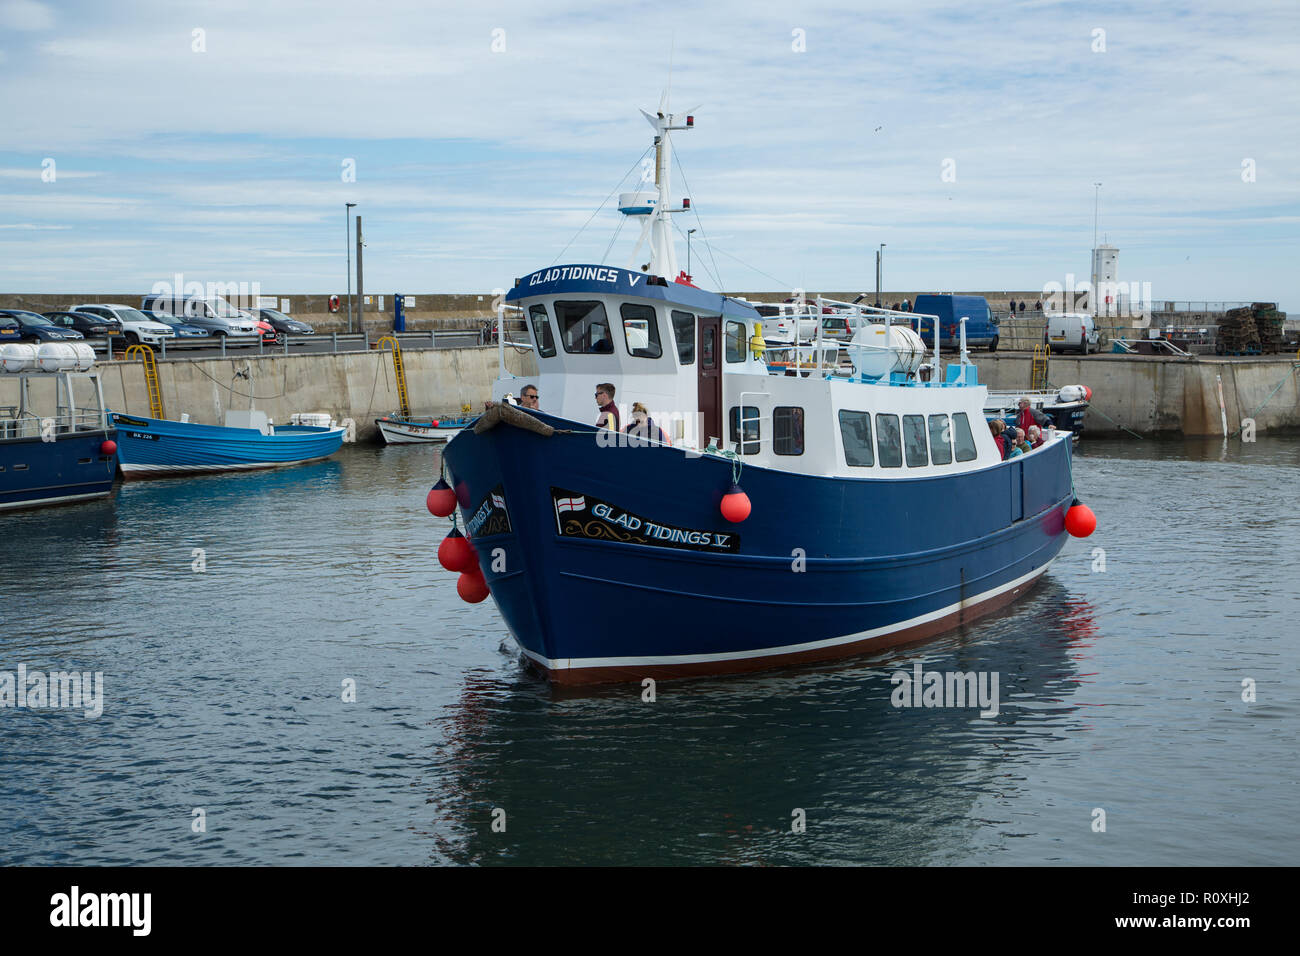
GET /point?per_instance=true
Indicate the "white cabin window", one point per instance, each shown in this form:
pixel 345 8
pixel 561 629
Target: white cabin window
pixel 889 441
pixel 584 327
pixel 746 415
pixel 542 330
pixel 918 455
pixel 640 330
pixel 855 432
pixel 940 440
pixel 684 333
pixel 735 342
pixel 787 430
pixel 965 440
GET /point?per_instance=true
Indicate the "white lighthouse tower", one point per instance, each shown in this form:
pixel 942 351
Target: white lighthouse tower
pixel 1105 280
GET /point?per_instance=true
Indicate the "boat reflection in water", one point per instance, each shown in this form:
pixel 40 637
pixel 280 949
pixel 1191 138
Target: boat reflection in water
pixel 714 769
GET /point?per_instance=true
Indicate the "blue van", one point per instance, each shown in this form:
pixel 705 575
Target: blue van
pixel 981 326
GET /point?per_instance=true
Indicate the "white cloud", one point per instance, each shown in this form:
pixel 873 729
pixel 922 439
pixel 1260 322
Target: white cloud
pixel 25 15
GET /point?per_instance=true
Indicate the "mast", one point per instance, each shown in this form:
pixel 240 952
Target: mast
pixel 663 254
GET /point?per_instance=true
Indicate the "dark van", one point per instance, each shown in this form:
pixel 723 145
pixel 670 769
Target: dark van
pixel 981 326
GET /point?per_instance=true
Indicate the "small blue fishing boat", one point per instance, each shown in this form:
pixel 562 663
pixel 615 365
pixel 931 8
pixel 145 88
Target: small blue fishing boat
pixel 158 448
pixel 56 445
pixel 618 544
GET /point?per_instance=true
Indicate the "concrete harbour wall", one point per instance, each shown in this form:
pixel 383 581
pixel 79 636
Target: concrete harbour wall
pixel 1153 395
pixel 356 385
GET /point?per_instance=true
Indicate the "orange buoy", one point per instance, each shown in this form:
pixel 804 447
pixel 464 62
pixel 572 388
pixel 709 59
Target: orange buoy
pixel 441 500
pixel 456 554
pixel 1079 520
pixel 472 587
pixel 735 505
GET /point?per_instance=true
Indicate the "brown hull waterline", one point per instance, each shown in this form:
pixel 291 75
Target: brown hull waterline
pixel 577 676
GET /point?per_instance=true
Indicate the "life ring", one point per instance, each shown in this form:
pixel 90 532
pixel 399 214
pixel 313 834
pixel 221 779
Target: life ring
pixel 334 303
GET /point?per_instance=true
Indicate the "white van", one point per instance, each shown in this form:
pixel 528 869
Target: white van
pixel 1072 332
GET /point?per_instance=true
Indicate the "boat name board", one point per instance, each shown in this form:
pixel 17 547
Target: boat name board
pixel 584 273
pixel 580 515
pixel 491 516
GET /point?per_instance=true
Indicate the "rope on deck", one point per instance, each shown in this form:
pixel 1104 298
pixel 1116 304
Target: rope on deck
pixel 506 414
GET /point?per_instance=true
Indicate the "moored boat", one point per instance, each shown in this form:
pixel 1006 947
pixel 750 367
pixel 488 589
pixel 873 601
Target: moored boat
pixel 1065 406
pixel 159 448
pixel 876 508
pixel 395 430
pixel 55 448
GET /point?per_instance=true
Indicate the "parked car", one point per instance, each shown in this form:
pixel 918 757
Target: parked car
pixel 981 324
pixel 37 328
pixel 265 329
pixel 183 330
pixel 218 316
pixel 842 325
pixel 284 324
pixel 779 322
pixel 10 330
pixel 1072 331
pixel 137 328
pixel 90 326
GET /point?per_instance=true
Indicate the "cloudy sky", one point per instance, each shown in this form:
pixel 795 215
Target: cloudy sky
pixel 144 138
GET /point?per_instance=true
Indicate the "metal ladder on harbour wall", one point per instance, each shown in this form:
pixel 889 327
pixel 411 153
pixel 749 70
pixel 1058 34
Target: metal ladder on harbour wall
pixel 1038 367
pixel 390 343
pixel 150 378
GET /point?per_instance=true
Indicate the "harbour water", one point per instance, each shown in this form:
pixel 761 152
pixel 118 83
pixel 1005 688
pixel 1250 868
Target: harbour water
pixel 1120 690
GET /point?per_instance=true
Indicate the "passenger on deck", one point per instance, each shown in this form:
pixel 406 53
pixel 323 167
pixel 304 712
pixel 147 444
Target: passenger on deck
pixel 528 397
pixel 997 427
pixel 643 426
pixel 1035 436
pixel 1021 443
pixel 1030 416
pixel 609 417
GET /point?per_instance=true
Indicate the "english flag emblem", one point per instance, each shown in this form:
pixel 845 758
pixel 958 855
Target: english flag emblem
pixel 571 504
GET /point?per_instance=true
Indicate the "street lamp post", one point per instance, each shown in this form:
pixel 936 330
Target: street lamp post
pixel 688 252
pixel 347 245
pixel 880 268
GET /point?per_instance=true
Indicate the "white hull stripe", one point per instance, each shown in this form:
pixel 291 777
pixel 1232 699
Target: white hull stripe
pixel 573 663
pixel 138 468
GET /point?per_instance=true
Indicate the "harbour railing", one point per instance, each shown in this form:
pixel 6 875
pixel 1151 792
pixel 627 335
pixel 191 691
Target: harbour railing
pixel 113 348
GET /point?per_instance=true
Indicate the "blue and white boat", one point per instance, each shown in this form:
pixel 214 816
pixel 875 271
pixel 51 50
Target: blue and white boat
pixel 882 512
pixel 160 448
pixel 56 443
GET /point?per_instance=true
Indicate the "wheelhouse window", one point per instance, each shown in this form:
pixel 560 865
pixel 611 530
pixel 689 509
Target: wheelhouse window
pixel 735 341
pixel 542 330
pixel 708 347
pixel 889 442
pixel 787 430
pixel 746 415
pixel 918 456
pixel 855 432
pixel 965 441
pixel 640 330
pixel 940 440
pixel 684 333
pixel 584 327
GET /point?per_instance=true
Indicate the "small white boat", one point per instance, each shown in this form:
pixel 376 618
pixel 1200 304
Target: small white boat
pixel 409 431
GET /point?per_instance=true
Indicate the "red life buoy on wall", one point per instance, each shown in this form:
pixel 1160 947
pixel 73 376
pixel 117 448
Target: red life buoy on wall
pixel 334 303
